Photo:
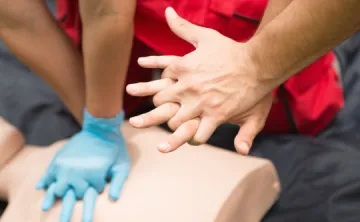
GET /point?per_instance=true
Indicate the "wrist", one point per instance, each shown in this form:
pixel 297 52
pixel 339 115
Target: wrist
pixel 267 69
pixel 259 78
pixel 103 125
pixel 104 105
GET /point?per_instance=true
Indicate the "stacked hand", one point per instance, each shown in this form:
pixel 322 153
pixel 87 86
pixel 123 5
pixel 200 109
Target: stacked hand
pixel 216 83
pixel 81 167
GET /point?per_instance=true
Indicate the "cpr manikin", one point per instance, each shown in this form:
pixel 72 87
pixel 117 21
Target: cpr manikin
pixel 193 184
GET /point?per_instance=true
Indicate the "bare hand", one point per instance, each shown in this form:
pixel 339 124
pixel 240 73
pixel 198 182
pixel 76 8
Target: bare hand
pixel 217 82
pixel 251 122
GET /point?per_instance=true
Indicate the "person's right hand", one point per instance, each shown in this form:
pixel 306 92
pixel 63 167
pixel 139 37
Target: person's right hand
pixel 80 168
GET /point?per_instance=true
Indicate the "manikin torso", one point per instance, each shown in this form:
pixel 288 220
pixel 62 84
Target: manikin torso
pixel 192 184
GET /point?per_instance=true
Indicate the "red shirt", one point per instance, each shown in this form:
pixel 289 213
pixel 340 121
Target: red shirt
pixel 310 99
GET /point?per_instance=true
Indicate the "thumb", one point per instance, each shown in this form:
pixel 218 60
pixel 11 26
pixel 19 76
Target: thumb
pixel 183 28
pixel 246 135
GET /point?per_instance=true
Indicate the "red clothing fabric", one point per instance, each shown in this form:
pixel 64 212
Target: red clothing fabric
pixel 310 99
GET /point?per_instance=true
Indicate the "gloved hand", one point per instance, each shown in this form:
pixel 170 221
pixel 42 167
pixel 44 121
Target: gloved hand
pixel 80 168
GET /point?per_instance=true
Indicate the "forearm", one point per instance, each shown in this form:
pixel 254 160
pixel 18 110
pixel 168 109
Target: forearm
pixel 300 34
pixel 31 33
pixel 273 9
pixel 107 42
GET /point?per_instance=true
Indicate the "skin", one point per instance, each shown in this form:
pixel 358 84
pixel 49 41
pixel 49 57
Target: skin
pixel 244 194
pixel 251 121
pixel 32 34
pixel 330 24
pixel 107 42
pixel 234 80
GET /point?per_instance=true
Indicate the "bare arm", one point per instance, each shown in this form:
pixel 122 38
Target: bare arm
pixel 107 42
pixel 300 34
pixel 274 8
pixel 31 33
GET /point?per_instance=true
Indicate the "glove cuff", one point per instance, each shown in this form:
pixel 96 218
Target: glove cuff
pixel 103 125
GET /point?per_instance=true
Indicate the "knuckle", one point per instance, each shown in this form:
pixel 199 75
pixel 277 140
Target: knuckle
pixel 147 118
pixel 172 108
pixel 181 22
pixel 198 139
pixel 191 126
pixel 178 66
pixel 261 124
pixel 212 100
pixel 258 124
pixel 168 81
pixel 219 111
pixel 156 100
pixel 192 87
pixel 172 68
pixel 172 125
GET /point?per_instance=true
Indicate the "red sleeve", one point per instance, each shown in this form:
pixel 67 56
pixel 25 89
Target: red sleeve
pixel 69 19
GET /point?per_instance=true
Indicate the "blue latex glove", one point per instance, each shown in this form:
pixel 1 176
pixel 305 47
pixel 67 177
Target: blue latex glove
pixel 80 168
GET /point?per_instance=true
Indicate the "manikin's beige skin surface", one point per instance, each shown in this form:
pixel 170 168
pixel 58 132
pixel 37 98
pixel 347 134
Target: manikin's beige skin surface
pixel 192 184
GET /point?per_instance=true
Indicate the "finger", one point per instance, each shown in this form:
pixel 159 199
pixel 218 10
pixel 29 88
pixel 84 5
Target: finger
pixel 182 28
pixel 246 135
pixel 184 114
pixel 79 186
pixel 49 198
pixel 182 135
pixel 148 88
pixel 207 127
pixel 156 62
pixel 61 187
pixel 120 174
pixel 156 116
pixel 68 205
pixel 174 70
pixel 45 181
pixel 89 204
pixel 171 94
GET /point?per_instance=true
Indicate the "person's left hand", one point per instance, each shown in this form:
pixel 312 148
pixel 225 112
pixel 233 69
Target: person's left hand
pixel 219 82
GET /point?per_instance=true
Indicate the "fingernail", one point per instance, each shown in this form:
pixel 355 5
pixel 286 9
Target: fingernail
pixel 164 147
pixel 113 198
pixel 243 148
pixel 136 121
pixel 143 60
pixel 132 88
pixel 171 13
pixel 45 206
